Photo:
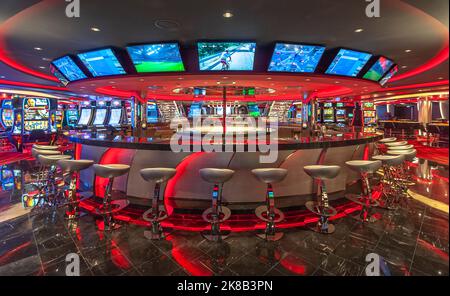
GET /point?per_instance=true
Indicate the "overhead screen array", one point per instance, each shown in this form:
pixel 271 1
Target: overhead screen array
pixel 223 56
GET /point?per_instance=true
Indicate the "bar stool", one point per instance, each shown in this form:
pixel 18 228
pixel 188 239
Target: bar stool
pixel 404 147
pixel 217 213
pixel 364 167
pixel 72 168
pixel 269 213
pixel 41 172
pixel 322 207
pixel 390 187
pixel 391 144
pixel 387 140
pixel 49 188
pixel 110 207
pixel 407 177
pixel 157 212
pixel 45 147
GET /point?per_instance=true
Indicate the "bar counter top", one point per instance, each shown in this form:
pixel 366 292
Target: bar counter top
pixel 131 142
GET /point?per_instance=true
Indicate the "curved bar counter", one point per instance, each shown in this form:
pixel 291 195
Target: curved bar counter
pixel 188 191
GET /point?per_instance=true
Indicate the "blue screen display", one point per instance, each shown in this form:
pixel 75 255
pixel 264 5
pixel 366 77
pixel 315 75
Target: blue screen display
pixel 295 58
pixel 389 75
pixel 58 75
pixel 348 62
pixel 69 69
pixel 102 62
pixel 163 57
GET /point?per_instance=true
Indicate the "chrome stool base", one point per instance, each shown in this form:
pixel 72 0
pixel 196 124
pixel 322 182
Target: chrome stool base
pixel 322 226
pixel 365 215
pixel 158 235
pixel 261 210
pixel 270 237
pixel 214 236
pixel 328 230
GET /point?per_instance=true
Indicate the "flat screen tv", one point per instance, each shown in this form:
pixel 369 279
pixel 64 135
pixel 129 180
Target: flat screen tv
pixel 226 56
pixel 195 110
pixel 69 68
pixel 164 57
pixel 381 66
pixel 348 62
pixel 389 75
pixel 296 58
pixel 100 115
pixel 102 62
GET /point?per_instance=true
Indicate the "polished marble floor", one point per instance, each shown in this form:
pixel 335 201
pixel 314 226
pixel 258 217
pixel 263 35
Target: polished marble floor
pixel 413 240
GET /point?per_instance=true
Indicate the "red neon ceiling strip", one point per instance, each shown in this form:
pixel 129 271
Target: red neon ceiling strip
pixel 417 85
pixel 7 25
pixel 32 85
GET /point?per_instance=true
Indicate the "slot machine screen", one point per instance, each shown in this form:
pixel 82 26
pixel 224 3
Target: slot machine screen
pixel 100 117
pixel 85 116
pixel 72 116
pixel 35 114
pixel 116 114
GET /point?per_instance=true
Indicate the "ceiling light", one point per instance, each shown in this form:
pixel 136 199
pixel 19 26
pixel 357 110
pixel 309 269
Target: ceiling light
pixel 2 77
pixel 112 82
pixel 46 59
pixel 440 78
pixel 269 78
pixel 38 48
pixel 227 14
pixel 359 30
pixel 404 67
pixel 307 79
pixel 41 67
pixel 95 29
pixel 408 50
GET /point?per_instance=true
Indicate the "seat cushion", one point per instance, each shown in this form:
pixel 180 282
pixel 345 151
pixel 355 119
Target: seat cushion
pixel 216 176
pixel 403 147
pixel 401 143
pixel 45 147
pixel 270 175
pixel 322 171
pixel 390 160
pixel 74 165
pixel 367 166
pixel 36 152
pixel 388 140
pixel 51 159
pixel 409 154
pixel 111 170
pixel 158 175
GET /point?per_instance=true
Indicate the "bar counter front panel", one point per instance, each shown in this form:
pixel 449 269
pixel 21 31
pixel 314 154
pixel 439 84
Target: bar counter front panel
pixel 243 189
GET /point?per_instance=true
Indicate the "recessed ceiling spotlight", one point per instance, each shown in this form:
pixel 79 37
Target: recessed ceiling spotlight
pixel 234 82
pixel 227 14
pixel 141 80
pixel 307 79
pixel 46 59
pixel 359 30
pixel 404 67
pixel 337 82
pixel 2 77
pixel 440 78
pixel 41 67
pixel 269 78
pixel 38 48
pixel 95 29
pixel 180 78
pixel 112 82
pixel 225 77
pixel 408 50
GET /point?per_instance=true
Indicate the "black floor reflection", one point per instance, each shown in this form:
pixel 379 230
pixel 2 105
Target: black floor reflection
pixel 413 240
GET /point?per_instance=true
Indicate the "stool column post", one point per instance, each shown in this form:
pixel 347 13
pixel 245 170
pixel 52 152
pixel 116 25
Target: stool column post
pixel 107 215
pixel 270 200
pixel 156 226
